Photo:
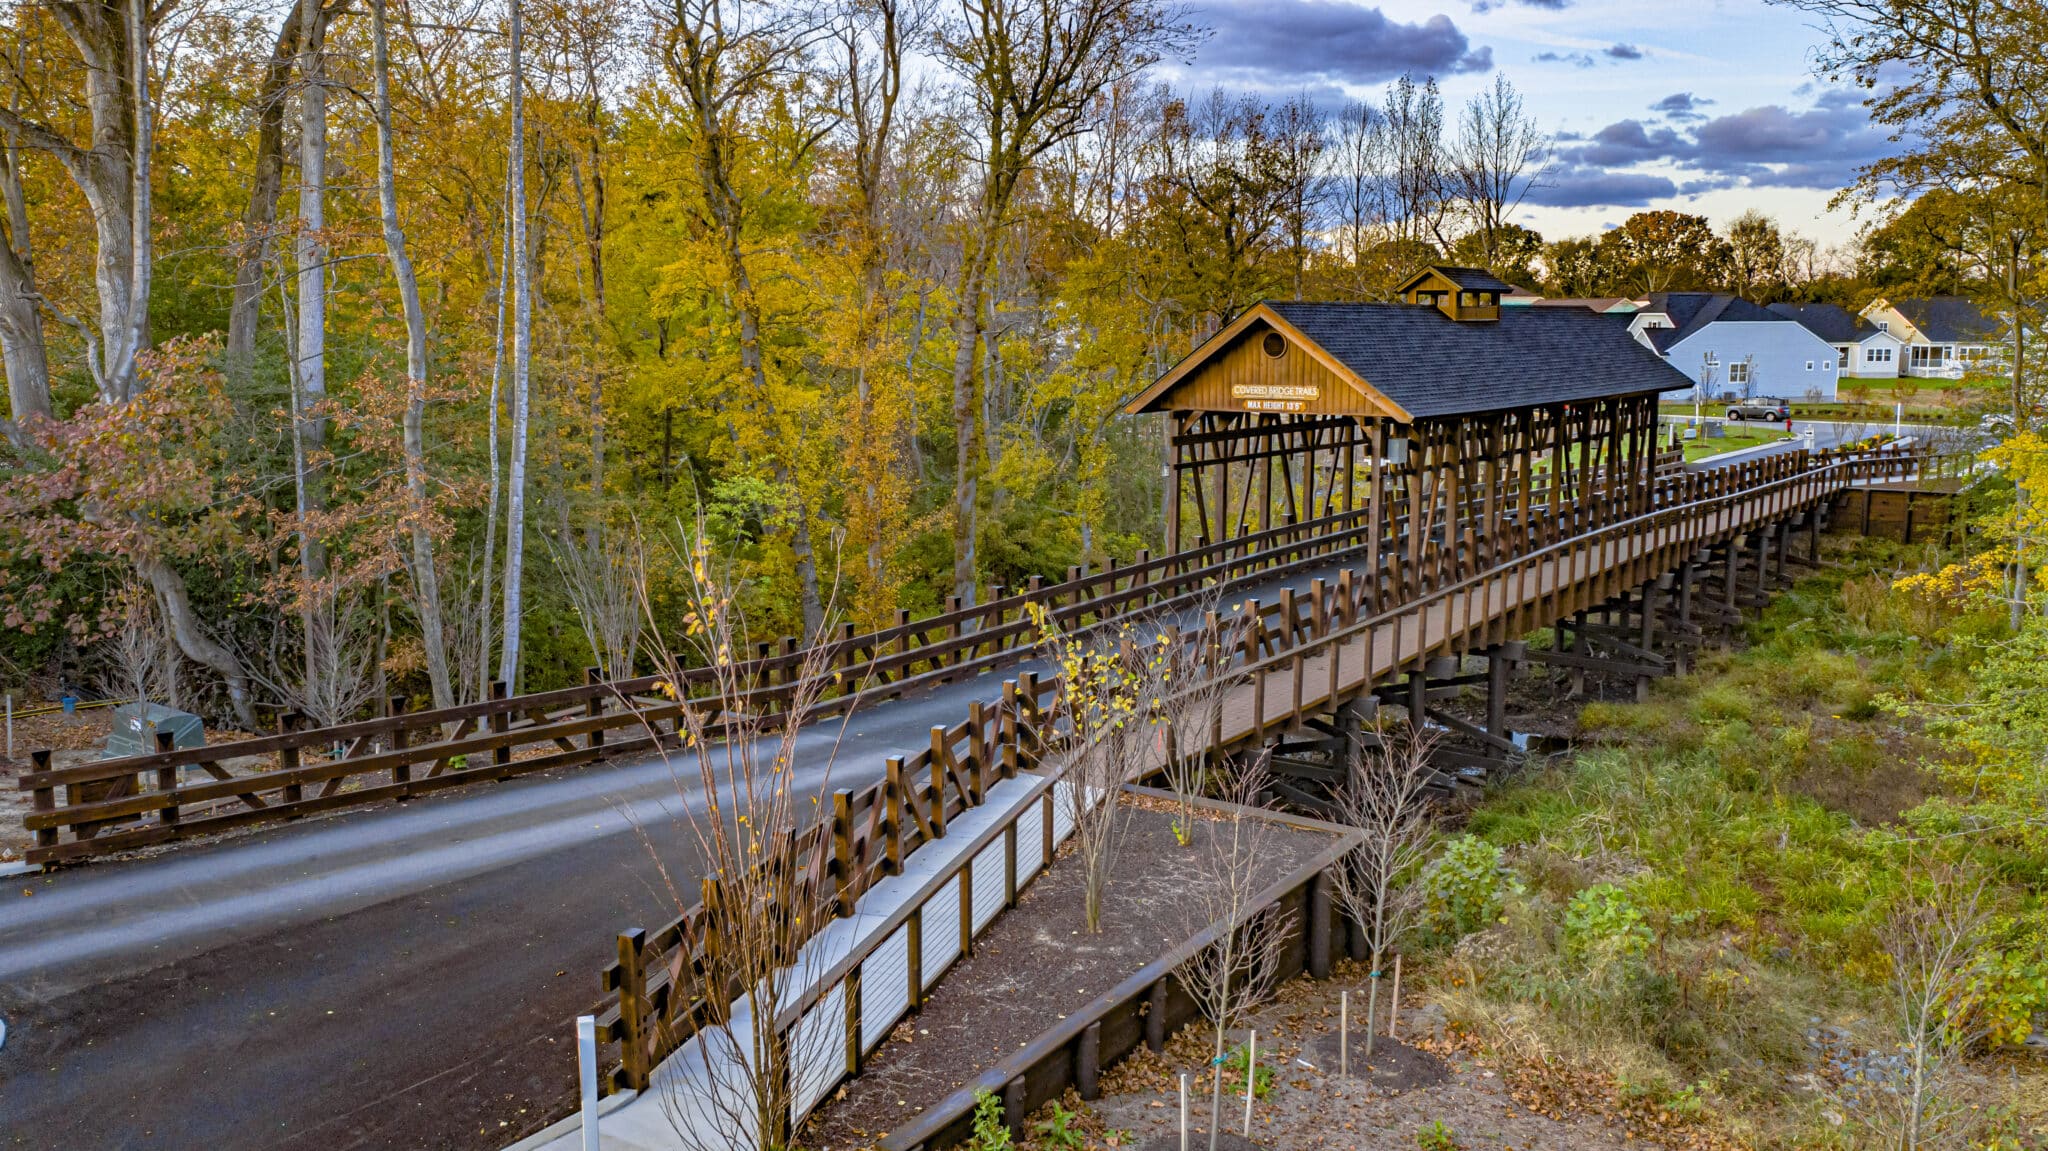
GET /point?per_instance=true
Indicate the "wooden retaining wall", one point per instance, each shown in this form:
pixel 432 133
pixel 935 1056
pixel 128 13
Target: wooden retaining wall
pixel 1146 1008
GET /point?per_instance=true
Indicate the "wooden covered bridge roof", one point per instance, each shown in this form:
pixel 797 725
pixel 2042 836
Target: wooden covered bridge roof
pixel 1408 362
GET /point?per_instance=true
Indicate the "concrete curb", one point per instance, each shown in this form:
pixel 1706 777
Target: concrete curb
pixel 569 1126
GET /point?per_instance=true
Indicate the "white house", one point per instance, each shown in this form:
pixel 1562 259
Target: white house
pixel 1731 347
pixel 1944 336
pixel 1862 349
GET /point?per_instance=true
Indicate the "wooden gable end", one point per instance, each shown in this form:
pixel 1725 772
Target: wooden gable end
pixel 1242 374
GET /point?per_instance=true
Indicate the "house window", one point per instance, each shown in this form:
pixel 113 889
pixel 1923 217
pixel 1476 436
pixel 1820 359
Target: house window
pixel 1877 355
pixel 1827 365
pixel 1738 373
pixel 1884 325
pixel 1928 355
pixel 1809 365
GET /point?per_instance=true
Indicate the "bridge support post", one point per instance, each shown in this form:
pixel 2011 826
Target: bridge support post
pixel 1648 636
pixel 1732 576
pixel 1498 664
pixel 1418 699
pixel 1763 562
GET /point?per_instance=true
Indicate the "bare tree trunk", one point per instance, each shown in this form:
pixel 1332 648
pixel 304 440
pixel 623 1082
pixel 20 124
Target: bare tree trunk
pixel 483 608
pixel 21 320
pixel 266 182
pixel 310 427
pixel 967 335
pixel 426 580
pixel 193 640
pixel 522 360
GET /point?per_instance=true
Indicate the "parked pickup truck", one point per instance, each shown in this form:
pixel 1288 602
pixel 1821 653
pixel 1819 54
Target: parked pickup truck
pixel 1776 411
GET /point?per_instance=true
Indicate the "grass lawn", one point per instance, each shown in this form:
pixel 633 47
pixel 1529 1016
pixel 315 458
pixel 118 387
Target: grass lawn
pixel 1739 436
pixel 1695 904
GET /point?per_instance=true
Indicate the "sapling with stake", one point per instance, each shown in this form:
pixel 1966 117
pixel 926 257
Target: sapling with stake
pixel 1387 797
pixel 1237 970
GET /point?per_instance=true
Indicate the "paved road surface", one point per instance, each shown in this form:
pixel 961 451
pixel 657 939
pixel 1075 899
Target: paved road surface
pixel 398 977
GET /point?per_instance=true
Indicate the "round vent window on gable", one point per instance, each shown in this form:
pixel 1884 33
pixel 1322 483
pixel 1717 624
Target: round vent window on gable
pixel 1274 345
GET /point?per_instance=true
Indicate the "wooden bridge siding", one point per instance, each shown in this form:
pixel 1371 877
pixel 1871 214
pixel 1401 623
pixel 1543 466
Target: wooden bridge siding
pixel 1224 463
pixel 1521 599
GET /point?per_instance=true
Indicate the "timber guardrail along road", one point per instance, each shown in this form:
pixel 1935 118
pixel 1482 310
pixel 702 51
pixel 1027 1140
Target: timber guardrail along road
pixel 363 970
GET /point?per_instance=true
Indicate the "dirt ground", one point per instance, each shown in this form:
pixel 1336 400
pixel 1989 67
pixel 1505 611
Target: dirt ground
pixel 1310 1105
pixel 1032 968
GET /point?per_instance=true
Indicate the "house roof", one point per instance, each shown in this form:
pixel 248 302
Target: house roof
pixel 1947 319
pixel 1431 365
pixel 1691 311
pixel 1590 303
pixel 1466 279
pixel 1831 322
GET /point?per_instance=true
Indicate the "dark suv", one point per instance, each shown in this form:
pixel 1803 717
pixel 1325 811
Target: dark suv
pixel 1760 409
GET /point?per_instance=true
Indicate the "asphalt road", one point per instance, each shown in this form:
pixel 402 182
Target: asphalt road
pixel 398 977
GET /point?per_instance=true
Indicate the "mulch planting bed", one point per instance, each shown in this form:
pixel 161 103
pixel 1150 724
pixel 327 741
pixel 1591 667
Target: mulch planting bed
pixel 1031 969
pixel 1393 1066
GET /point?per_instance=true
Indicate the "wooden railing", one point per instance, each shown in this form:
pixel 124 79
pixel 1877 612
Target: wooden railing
pixel 106 806
pixel 1405 613
pixel 118 804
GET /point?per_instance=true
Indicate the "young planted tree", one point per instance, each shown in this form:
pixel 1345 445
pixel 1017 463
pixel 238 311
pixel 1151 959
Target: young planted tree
pixel 1238 970
pixel 1115 700
pixel 1934 940
pixel 747 791
pixel 1387 797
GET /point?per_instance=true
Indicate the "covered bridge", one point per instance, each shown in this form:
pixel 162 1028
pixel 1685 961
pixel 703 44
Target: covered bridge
pixel 1463 431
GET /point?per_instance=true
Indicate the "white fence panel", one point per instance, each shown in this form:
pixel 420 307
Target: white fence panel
pixel 884 987
pixel 1030 842
pixel 1062 811
pixel 989 884
pixel 941 932
pixel 817 1052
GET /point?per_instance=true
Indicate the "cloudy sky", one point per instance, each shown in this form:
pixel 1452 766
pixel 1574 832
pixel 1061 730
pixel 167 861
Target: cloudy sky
pixel 1708 106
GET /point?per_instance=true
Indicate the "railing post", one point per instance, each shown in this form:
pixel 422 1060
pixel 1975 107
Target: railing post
pixel 913 935
pixel 977 752
pixel 894 798
pixel 592 678
pixel 938 797
pixel 842 852
pixel 401 773
pixel 166 779
pixel 855 1049
pixel 288 761
pixel 633 1053
pixel 44 798
pixel 501 722
pixel 1008 733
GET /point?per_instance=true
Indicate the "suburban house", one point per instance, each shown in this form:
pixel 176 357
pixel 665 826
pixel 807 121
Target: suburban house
pixel 1731 347
pixel 1944 336
pixel 1862 349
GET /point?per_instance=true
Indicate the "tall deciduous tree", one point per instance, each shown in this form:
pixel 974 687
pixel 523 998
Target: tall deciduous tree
pixel 1032 69
pixel 522 354
pixel 418 514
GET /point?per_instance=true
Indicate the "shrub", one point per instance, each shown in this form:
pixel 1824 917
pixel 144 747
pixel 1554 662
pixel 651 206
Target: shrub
pixel 1464 887
pixel 990 1134
pixel 1436 1137
pixel 1602 925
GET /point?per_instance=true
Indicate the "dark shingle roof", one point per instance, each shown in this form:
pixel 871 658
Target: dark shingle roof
pixel 1691 311
pixel 1831 322
pixel 1948 319
pixel 1473 279
pixel 1432 365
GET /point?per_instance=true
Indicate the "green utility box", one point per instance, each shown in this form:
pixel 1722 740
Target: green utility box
pixel 136 728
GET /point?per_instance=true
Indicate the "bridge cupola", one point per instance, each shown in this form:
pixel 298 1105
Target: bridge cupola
pixel 1467 295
